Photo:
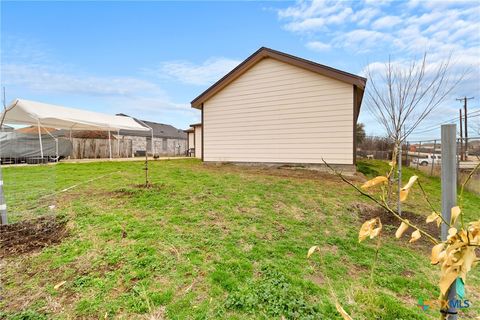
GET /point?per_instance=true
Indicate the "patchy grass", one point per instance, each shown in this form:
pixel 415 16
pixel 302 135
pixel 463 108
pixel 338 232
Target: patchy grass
pixel 218 242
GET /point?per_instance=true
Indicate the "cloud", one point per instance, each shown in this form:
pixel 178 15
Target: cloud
pixel 402 31
pixel 386 22
pixel 360 40
pixel 315 15
pixel 197 74
pixel 30 72
pixel 48 79
pixel 318 46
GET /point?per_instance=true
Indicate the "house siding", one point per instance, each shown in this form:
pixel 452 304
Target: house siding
pixel 198 142
pixel 280 113
pixel 191 140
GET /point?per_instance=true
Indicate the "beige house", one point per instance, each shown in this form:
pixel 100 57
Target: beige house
pixel 195 140
pixel 280 109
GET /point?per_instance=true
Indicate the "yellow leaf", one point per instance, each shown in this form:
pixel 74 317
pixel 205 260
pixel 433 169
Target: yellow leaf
pixel 406 189
pixel 469 258
pixel 368 229
pixel 311 251
pixel 403 227
pixel 404 194
pixel 432 217
pixel 451 232
pixel 410 183
pixel 448 276
pixel 455 212
pixel 58 285
pixel 374 182
pixel 415 236
pixel 365 229
pixel 375 232
pixel 439 221
pixel 435 258
pixel 344 314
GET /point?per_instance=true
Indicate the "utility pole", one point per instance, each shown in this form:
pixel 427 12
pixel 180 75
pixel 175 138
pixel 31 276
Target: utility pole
pixel 465 99
pixel 462 158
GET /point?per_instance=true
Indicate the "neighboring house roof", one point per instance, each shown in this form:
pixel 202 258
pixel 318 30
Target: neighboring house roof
pixel 189 130
pixel 195 125
pixel 263 53
pixel 160 130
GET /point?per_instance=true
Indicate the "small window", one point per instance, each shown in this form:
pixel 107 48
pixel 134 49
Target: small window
pixel 164 144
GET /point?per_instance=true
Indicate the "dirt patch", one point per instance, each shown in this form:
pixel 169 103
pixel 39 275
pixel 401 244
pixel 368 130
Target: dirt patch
pixel 283 172
pixel 391 223
pixel 134 189
pixel 149 186
pixel 27 236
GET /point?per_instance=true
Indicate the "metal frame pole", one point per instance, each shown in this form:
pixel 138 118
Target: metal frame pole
pixel 40 139
pixel 434 156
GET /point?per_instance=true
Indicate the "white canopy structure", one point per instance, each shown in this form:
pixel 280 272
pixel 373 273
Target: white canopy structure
pixel 48 115
pixel 26 112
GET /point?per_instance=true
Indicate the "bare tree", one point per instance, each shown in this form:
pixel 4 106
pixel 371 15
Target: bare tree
pixel 402 96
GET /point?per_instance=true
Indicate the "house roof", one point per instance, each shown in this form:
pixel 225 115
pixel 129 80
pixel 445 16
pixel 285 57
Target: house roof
pixel 263 53
pixel 160 130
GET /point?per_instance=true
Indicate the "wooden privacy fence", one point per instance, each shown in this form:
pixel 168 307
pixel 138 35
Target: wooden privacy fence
pixel 99 148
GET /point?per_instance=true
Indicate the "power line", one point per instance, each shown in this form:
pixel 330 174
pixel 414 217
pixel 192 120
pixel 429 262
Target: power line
pixel 452 120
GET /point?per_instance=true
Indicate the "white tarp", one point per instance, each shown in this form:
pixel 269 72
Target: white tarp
pixel 48 115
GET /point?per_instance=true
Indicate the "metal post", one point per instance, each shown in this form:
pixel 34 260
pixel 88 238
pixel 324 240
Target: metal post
pixel 418 153
pixel 449 173
pixel 40 139
pixel 399 204
pixel 110 144
pixel 449 194
pixel 406 154
pixel 153 143
pixel 434 157
pixel 3 204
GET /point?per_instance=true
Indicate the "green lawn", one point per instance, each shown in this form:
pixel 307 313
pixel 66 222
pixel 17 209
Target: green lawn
pixel 215 243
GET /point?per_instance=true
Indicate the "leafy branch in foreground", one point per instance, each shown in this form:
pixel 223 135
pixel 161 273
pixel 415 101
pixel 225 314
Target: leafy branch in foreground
pixel 456 255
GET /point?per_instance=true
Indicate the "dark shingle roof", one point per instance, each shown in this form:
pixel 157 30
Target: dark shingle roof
pixel 160 130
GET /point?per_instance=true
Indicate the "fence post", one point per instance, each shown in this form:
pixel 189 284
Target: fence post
pixel 3 204
pixel 418 153
pixel 434 156
pixel 449 197
pixel 406 154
